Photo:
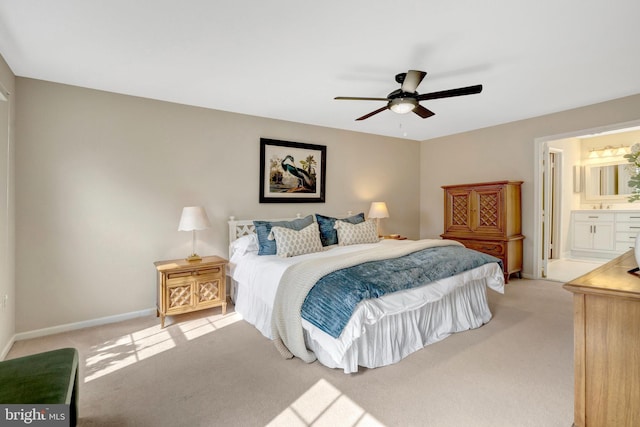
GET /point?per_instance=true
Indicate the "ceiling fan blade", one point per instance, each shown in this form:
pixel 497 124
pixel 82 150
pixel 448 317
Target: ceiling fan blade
pixel 423 112
pixel 412 80
pixel 355 98
pixel 379 110
pixel 469 90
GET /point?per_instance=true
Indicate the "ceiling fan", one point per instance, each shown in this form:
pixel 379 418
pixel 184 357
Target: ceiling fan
pixel 406 99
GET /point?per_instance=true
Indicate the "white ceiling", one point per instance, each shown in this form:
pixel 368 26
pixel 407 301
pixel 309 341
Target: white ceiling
pixel 288 59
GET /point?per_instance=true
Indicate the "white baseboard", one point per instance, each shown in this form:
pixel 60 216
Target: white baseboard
pixel 6 348
pixel 84 324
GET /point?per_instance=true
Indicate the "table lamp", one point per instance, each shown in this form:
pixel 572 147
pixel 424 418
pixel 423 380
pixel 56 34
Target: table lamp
pixel 194 218
pixel 378 210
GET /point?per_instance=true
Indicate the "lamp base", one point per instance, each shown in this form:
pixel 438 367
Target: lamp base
pixel 194 258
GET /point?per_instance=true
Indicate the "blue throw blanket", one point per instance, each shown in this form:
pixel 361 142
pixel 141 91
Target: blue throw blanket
pixel 333 298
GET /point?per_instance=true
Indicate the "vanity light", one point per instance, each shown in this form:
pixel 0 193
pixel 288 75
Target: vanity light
pixel 608 151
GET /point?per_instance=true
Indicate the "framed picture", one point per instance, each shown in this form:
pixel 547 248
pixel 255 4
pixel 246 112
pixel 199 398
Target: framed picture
pixel 292 172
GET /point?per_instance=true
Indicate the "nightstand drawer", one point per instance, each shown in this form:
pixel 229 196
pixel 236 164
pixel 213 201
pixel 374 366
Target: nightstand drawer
pixel 179 275
pixel 216 272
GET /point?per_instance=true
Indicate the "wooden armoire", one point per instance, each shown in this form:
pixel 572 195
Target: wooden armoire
pixel 486 217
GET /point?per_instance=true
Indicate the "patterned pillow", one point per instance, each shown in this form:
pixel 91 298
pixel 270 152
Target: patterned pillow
pixel 353 234
pixel 296 242
pixel 263 228
pixel 328 234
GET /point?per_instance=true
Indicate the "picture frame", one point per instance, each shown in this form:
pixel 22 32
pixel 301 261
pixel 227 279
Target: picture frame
pixel 292 172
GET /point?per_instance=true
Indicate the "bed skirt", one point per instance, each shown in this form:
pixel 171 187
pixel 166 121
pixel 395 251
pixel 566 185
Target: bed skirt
pixel 394 337
pixel 385 330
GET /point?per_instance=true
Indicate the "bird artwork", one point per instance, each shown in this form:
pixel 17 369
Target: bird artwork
pixel 304 177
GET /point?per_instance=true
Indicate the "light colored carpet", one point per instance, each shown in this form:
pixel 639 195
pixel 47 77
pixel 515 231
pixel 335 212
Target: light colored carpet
pixel 206 369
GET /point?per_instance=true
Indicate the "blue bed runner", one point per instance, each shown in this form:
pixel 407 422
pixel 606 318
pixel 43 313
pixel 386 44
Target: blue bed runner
pixel 333 298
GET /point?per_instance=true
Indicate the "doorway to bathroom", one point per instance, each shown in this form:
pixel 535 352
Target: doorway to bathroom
pixel 560 189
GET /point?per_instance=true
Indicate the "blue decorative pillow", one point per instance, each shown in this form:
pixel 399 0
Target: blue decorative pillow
pixel 329 235
pixel 263 228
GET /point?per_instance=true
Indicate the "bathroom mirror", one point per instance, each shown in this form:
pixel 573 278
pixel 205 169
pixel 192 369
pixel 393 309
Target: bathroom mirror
pixel 607 181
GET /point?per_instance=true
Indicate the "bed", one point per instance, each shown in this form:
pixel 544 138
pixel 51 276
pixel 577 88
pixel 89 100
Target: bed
pixel 379 331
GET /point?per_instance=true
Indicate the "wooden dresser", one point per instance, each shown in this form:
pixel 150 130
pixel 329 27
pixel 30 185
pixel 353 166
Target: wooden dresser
pixel 486 217
pixel 606 307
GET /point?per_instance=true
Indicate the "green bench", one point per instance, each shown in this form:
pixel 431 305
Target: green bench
pixel 49 378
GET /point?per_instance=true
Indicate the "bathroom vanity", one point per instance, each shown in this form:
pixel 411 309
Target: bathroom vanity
pixel 603 233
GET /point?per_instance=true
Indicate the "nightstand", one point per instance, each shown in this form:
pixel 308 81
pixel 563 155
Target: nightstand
pixel 394 237
pixel 185 286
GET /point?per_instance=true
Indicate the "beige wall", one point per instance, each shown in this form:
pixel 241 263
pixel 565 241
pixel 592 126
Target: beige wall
pixel 7 282
pixel 504 152
pixel 102 179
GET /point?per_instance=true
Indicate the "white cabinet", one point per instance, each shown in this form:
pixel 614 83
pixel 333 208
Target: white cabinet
pixel 593 231
pixel 627 228
pixel 603 234
pixel 593 236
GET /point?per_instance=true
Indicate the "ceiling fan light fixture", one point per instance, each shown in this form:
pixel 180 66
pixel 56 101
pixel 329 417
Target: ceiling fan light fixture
pixel 406 99
pixel 403 105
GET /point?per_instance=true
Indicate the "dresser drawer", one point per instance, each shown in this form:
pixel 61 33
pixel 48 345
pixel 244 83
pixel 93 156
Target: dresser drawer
pixel 497 249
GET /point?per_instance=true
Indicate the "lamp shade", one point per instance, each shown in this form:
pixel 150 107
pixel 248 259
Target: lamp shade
pixel 194 218
pixel 378 210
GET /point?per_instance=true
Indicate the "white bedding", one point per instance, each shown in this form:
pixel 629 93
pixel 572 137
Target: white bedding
pixel 382 330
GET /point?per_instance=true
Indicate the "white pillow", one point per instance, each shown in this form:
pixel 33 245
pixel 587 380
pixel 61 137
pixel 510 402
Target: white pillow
pixel 353 234
pixel 244 244
pixel 293 242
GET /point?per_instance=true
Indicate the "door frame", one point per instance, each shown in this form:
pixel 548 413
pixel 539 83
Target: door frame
pixel 538 169
pixel 552 204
